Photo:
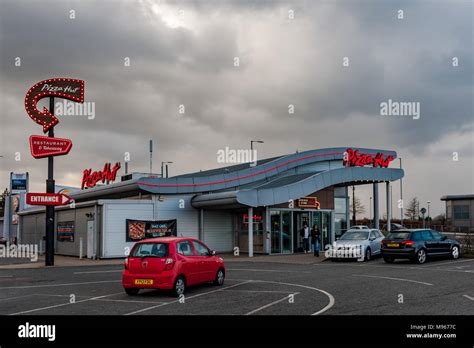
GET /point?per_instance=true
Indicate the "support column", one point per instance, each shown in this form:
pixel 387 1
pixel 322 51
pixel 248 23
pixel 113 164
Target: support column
pixel 389 205
pixel 267 241
pixel 376 205
pixel 201 224
pixel 348 210
pixel 250 234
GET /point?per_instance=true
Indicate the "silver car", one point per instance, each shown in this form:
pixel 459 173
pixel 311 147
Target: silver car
pixel 359 243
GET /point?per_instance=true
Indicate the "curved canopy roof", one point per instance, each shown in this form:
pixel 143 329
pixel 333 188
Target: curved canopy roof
pixel 271 181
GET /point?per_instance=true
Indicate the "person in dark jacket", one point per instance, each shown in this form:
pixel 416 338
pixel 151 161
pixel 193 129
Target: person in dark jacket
pixel 315 239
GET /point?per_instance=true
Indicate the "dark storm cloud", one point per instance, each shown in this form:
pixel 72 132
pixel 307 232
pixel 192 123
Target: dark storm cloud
pixel 282 62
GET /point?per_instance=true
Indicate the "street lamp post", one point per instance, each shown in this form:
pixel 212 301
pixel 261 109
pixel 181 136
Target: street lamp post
pixel 254 162
pixel 429 216
pixel 401 195
pixel 151 157
pixel 370 211
pixel 162 163
pixel 353 207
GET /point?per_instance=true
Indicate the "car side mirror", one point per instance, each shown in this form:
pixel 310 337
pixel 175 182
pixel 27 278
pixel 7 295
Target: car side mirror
pixel 212 253
pixel 444 238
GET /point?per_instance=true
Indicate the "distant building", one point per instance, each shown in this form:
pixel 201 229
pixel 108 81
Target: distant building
pixel 460 212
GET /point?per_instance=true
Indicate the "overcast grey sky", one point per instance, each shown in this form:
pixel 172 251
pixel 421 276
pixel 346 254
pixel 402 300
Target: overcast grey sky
pixel 183 53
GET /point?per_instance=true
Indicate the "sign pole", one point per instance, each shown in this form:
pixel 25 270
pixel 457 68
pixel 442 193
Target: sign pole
pixel 49 260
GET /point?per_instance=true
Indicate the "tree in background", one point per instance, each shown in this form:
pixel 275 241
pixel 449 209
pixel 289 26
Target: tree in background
pixel 439 219
pixel 412 211
pixel 359 207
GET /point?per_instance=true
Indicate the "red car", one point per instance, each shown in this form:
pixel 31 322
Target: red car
pixel 171 263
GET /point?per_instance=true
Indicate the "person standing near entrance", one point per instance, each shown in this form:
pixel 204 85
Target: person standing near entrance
pixel 305 233
pixel 315 239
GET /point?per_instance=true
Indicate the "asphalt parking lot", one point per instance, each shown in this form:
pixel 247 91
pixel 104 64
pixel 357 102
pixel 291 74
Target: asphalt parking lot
pixel 440 287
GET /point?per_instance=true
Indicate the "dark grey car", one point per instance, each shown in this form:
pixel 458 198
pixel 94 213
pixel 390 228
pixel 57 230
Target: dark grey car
pixel 418 245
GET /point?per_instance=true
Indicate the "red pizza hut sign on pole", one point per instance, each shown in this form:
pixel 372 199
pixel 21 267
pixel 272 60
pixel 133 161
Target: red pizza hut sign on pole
pixel 90 178
pixel 41 146
pixel 50 146
pixel 353 158
pixel 60 87
pixel 47 199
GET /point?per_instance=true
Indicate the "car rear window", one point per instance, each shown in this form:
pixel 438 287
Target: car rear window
pixel 355 235
pixel 150 249
pixel 399 235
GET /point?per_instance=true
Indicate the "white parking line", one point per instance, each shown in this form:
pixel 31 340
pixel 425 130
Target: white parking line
pixel 91 272
pixel 445 263
pixel 13 298
pixel 271 304
pixel 469 297
pixel 55 285
pixel 187 298
pixel 390 278
pixel 332 300
pixel 62 304
pixel 263 291
pixel 100 299
pixel 264 270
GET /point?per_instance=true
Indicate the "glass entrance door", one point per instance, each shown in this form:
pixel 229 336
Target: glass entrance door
pixel 275 229
pixel 280 228
pixel 299 219
pixel 322 219
pixel 286 236
pixel 326 229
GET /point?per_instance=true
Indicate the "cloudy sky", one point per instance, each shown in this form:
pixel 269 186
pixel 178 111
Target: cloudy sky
pixel 288 53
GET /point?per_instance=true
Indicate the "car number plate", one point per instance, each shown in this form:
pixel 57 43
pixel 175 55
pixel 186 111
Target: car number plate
pixel 393 245
pixel 143 281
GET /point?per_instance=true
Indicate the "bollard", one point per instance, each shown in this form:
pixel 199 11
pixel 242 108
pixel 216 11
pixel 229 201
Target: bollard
pixel 80 248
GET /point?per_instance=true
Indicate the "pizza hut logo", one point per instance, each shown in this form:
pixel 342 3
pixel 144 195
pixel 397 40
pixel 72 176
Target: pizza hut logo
pixel 90 178
pixel 354 158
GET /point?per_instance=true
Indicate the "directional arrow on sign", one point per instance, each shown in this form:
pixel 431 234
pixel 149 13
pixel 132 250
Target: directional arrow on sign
pixel 71 89
pixel 47 199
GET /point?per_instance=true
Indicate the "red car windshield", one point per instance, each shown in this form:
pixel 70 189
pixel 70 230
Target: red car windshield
pixel 150 250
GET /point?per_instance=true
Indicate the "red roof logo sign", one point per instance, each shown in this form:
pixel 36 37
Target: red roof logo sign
pixel 354 158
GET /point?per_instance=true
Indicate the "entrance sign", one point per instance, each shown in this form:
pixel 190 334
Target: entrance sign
pixel 41 146
pixel 309 202
pixel 354 158
pixel 90 178
pixel 65 88
pixel 47 199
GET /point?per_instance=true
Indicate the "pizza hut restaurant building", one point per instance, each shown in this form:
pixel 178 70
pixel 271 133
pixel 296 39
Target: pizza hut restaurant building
pixel 257 208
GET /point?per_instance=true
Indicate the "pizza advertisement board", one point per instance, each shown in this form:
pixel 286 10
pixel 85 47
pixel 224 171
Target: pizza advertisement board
pixel 142 229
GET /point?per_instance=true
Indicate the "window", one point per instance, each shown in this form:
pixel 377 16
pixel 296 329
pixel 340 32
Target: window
pixel 352 235
pixel 185 248
pixel 150 249
pixel 416 236
pixel 436 235
pixel 426 235
pixel 373 235
pixel 201 250
pixel 461 212
pixel 399 235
